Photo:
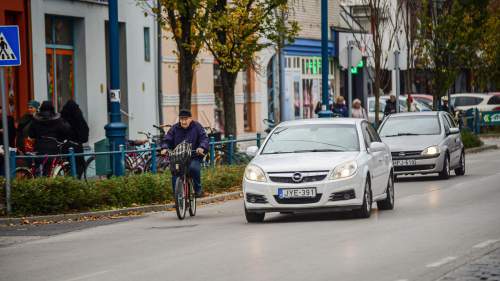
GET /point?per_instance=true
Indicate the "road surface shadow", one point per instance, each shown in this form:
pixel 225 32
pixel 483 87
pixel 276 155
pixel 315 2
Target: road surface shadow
pixel 316 216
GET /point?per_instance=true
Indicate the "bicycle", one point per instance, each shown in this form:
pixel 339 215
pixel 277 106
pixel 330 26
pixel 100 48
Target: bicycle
pixel 184 194
pixel 58 166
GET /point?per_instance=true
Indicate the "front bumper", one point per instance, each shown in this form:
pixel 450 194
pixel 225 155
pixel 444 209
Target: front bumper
pixel 423 166
pixel 268 200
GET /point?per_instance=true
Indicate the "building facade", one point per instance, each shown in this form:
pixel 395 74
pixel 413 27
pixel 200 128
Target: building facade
pixel 70 61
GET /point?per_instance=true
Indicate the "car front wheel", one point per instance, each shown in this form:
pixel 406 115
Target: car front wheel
pixel 254 217
pixel 445 173
pixel 460 171
pixel 366 208
pixel 388 203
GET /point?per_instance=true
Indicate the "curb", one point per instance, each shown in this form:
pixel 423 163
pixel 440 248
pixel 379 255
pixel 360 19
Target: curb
pixel 124 211
pixel 481 148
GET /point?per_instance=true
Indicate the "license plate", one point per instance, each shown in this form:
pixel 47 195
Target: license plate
pixel 405 162
pixel 296 192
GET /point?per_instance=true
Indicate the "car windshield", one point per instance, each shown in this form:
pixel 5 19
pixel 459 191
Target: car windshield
pixel 312 138
pixel 410 126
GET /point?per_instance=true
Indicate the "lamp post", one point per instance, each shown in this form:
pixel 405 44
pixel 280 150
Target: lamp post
pixel 325 109
pixel 115 130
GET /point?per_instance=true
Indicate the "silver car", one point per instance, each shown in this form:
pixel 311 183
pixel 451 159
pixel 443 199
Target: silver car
pixel 424 143
pixel 319 164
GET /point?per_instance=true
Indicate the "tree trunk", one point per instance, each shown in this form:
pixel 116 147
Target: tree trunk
pixel 228 81
pixel 185 75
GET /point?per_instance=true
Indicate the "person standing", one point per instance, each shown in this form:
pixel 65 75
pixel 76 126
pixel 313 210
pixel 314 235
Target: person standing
pixel 339 108
pixel 390 105
pixel 358 111
pixel 79 130
pixel 23 141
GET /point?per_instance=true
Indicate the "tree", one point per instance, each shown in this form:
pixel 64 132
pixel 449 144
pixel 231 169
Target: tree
pixel 489 71
pixel 407 13
pixel 235 32
pixel 186 20
pixel 378 28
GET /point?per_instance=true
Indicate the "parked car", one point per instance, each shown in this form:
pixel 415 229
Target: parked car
pixel 424 143
pixel 483 102
pixel 423 98
pixel 417 106
pixel 319 164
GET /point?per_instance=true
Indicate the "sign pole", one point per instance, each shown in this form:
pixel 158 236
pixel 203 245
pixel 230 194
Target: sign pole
pixel 396 67
pixel 349 78
pixel 325 108
pixel 6 145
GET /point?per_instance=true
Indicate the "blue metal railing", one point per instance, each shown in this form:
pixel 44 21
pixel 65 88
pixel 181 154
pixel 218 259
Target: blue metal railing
pixel 71 155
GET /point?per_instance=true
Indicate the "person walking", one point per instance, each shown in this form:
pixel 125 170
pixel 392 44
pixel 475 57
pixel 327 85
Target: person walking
pixel 358 111
pixel 390 105
pixel 339 108
pixel 79 131
pixel 23 142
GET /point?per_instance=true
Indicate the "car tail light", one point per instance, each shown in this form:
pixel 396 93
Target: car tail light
pixel 496 108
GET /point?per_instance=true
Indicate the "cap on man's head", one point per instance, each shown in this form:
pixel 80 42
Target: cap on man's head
pixel 34 103
pixel 185 113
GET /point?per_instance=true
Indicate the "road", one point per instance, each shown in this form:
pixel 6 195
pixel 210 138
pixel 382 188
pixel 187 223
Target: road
pixel 436 226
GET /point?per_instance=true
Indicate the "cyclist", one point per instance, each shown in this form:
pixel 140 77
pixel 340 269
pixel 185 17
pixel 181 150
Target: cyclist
pixel 192 132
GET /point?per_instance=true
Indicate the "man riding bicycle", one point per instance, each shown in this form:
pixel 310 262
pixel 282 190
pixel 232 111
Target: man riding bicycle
pixel 192 132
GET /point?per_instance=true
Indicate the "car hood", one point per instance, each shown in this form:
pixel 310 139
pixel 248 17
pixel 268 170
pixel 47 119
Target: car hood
pixel 412 143
pixel 299 162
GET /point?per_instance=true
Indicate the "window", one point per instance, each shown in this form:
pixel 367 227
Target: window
pixel 373 134
pixel 147 45
pixel 449 119
pixel 494 100
pixel 410 125
pixel 60 59
pixel 467 101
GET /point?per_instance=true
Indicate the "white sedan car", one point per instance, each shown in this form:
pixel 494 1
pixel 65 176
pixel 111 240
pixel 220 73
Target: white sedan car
pixel 319 164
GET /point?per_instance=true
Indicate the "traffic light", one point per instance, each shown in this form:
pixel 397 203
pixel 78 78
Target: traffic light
pixel 354 70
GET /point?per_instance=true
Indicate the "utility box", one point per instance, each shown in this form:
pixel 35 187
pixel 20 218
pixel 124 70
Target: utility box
pixel 102 162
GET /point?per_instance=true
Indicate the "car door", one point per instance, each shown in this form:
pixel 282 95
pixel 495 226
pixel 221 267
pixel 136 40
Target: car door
pixel 455 146
pixel 376 162
pixel 448 138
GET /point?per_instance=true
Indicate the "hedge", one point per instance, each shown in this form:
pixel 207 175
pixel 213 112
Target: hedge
pixel 43 196
pixel 469 139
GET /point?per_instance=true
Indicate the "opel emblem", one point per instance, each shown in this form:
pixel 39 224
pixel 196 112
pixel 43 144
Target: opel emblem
pixel 297 177
pixel 401 154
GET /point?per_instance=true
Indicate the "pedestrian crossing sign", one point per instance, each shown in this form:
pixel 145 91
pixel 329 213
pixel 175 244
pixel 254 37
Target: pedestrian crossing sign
pixel 10 54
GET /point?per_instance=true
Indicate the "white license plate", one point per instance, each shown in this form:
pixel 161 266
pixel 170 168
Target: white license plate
pixel 297 192
pixel 405 162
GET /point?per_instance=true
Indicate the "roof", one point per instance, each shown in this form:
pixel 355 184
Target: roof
pixel 314 121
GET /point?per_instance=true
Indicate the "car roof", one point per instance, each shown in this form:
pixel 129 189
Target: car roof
pixel 415 113
pixel 315 121
pixel 479 95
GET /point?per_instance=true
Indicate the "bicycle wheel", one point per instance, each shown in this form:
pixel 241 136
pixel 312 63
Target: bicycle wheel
pixel 61 170
pixel 180 198
pixel 23 173
pixel 192 199
pixel 89 170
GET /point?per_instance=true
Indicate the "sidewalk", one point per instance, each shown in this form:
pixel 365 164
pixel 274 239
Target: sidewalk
pixel 491 140
pixel 484 268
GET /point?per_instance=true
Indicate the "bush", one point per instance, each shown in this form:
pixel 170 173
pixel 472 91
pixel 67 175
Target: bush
pixel 64 194
pixel 469 139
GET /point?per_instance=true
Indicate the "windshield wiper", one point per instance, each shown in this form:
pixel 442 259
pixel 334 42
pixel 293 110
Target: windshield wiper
pixel 318 150
pixel 277 152
pixel 401 134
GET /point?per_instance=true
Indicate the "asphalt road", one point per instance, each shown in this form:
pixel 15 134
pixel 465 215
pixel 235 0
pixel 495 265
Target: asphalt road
pixel 436 226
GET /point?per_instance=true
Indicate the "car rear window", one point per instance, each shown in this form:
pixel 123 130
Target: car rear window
pixel 466 101
pixel 494 100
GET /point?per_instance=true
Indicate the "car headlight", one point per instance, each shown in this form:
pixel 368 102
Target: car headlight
pixel 254 173
pixel 431 150
pixel 345 170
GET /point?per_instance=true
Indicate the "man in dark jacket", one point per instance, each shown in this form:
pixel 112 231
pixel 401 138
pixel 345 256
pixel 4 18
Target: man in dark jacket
pixel 23 126
pixel 192 132
pixel 79 133
pixel 390 105
pixel 46 126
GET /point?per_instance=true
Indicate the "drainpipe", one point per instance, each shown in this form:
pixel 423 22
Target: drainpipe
pixel 160 65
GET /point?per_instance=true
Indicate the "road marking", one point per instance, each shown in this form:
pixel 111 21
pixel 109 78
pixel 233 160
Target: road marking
pixel 87 276
pixel 486 243
pixel 441 262
pixel 402 280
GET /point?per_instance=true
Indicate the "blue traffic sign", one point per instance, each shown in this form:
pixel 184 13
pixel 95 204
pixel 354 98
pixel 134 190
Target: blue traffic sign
pixel 10 53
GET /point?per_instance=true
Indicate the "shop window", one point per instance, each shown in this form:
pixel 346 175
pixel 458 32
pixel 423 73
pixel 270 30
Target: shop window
pixel 147 45
pixel 60 59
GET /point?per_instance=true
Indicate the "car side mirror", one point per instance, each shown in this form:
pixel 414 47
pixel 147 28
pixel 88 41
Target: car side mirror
pixel 454 131
pixel 252 151
pixel 376 147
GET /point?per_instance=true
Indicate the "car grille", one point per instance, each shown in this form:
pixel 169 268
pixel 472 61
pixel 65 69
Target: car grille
pixel 343 195
pixel 287 177
pixel 413 168
pixel 298 200
pixel 407 154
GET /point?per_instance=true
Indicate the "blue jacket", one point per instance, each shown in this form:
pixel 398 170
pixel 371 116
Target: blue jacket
pixel 340 110
pixel 194 134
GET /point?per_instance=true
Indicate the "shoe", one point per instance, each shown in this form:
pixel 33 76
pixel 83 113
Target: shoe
pixel 199 194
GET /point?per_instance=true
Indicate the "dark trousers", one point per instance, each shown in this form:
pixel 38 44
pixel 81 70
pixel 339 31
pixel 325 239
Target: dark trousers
pixel 194 173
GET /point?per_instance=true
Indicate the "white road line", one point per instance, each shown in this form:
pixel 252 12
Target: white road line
pixel 87 276
pixel 402 280
pixel 486 243
pixel 441 262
